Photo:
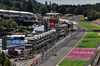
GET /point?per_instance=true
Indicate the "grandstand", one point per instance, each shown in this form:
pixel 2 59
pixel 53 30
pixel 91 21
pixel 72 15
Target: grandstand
pixel 19 16
pixel 15 13
pixel 78 17
pixel 73 17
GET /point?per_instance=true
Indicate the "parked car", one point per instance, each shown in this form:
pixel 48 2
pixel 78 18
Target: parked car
pixel 21 58
pixel 54 54
pixel 24 58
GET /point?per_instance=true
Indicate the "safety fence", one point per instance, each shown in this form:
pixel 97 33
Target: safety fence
pixel 88 63
pixel 84 21
pixel 54 49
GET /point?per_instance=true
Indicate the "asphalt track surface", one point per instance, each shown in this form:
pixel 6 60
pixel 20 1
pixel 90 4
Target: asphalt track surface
pixel 54 60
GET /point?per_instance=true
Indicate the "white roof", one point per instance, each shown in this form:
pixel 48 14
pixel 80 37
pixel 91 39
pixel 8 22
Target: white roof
pixel 52 13
pixel 16 36
pixel 39 28
pixel 12 11
pixel 43 34
pixel 46 17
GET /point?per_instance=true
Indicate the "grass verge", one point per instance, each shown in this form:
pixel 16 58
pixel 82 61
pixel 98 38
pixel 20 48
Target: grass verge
pixel 72 63
pixel 89 26
pixel 88 43
pixel 92 35
pixel 91 39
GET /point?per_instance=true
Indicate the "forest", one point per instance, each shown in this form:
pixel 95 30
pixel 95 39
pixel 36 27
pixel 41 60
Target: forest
pixel 92 11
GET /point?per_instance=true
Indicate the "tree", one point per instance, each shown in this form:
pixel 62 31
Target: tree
pixel 46 3
pixel 27 6
pixel 4 23
pixel 7 62
pixel 50 3
pixel 17 5
pixel 1 28
pixel 13 25
pixel 6 2
pixel 9 24
pixel 3 58
pixel 49 7
pixel 54 5
pixel 92 14
pixel 43 9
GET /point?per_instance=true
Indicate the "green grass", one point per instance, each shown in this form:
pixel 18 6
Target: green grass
pixel 92 43
pixel 89 26
pixel 72 63
pixel 92 35
pixel 92 39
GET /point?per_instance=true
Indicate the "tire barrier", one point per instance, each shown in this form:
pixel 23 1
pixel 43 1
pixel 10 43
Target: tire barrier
pixel 54 49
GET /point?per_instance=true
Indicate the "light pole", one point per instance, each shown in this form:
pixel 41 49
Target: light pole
pixel 34 10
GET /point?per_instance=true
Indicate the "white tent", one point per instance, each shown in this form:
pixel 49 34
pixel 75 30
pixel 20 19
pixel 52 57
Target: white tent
pixel 39 28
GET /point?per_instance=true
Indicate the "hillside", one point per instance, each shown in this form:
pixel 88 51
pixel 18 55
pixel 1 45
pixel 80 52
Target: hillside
pixel 91 11
pixel 20 5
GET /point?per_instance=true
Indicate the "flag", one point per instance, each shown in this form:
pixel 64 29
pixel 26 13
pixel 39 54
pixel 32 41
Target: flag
pixel 37 15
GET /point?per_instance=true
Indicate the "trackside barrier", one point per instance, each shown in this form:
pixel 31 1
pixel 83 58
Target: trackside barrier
pixel 88 63
pixel 84 21
pixel 54 49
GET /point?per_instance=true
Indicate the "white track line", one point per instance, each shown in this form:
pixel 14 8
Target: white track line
pixel 70 51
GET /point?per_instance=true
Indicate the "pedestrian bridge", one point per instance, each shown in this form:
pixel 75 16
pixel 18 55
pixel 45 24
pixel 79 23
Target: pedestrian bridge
pixel 65 20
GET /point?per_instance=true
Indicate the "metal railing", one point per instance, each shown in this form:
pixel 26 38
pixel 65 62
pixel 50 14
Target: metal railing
pixel 93 56
pixel 54 49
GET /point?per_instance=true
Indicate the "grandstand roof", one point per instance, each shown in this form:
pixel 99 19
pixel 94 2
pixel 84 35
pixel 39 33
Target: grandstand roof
pixel 52 13
pixel 12 11
pixel 69 14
